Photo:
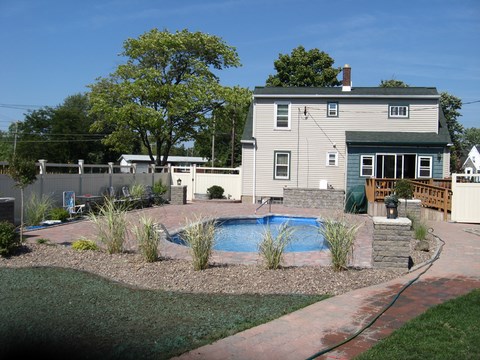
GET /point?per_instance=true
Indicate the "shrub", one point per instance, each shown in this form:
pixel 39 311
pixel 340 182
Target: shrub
pixel 37 208
pixel 200 237
pixel 159 188
pixel 137 190
pixel 215 192
pixel 271 248
pixel 340 237
pixel 404 189
pixel 147 238
pixel 42 241
pixel 111 225
pixel 84 244
pixel 9 239
pixel 59 214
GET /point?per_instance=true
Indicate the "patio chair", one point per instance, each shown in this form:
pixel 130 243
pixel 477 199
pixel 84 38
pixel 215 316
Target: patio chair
pixel 149 196
pixel 133 201
pixel 70 205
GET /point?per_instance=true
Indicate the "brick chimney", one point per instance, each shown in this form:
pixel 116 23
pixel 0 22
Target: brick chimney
pixel 347 78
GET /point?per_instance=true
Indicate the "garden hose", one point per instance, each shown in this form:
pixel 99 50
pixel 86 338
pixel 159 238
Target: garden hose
pixel 428 265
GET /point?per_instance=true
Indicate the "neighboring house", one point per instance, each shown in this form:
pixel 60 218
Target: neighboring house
pixel 472 163
pixel 144 161
pixel 336 137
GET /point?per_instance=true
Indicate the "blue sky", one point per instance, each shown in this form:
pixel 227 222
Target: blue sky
pixel 51 49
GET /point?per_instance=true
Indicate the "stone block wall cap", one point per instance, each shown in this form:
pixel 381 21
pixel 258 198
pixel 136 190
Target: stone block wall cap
pixel 410 200
pixel 382 220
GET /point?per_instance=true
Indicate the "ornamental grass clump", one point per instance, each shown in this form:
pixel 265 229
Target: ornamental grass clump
pixel 340 237
pixel 148 238
pixel 200 237
pixel 37 209
pixel 271 247
pixel 111 225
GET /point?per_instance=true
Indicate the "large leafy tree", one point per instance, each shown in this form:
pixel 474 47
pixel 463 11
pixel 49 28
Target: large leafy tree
pixel 60 134
pixel 451 105
pixel 221 137
pixel 392 83
pixel 471 137
pixel 312 68
pixel 164 91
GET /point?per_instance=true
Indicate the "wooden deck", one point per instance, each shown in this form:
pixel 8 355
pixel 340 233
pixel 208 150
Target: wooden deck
pixel 434 193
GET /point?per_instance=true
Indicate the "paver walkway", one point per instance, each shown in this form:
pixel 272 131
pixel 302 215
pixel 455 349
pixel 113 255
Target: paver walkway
pixel 304 333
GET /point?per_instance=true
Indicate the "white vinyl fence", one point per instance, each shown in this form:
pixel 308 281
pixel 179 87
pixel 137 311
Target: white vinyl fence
pixel 199 179
pixel 466 198
pixel 54 179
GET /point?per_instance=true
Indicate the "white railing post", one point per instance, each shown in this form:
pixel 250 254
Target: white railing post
pixel 80 167
pixel 110 167
pixel 43 166
pixel 193 171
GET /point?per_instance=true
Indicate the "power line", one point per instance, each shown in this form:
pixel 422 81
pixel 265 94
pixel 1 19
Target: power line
pixel 49 141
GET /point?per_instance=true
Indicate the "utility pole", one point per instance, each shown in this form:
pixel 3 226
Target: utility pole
pixel 15 138
pixel 232 160
pixel 213 142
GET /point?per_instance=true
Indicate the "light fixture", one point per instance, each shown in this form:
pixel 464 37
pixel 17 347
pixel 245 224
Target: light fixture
pixel 179 181
pixel 392 212
pixel 439 156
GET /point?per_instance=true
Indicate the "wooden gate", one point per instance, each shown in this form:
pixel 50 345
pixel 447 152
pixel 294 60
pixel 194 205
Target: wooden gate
pixel 466 198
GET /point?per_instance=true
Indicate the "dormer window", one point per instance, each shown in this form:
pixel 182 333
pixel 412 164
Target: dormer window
pixel 282 116
pixel 398 111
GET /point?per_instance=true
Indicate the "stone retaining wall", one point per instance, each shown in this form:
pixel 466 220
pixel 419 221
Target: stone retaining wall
pixel 314 198
pixel 414 208
pixel 391 242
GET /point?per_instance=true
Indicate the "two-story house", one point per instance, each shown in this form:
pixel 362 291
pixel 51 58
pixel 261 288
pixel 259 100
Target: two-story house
pixel 472 162
pixel 336 137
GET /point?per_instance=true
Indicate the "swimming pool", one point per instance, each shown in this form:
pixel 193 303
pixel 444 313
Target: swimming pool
pixel 244 234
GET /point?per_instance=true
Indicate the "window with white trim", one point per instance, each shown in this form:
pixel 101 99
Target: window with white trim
pixel 282 165
pixel 398 111
pixel 332 109
pixel 424 166
pixel 282 116
pixel 366 165
pixel 332 158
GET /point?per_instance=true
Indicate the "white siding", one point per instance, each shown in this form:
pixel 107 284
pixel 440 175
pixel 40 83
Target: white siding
pixel 311 137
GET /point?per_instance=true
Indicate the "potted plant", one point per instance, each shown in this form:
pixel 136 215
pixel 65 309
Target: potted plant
pixel 391 203
pixel 404 190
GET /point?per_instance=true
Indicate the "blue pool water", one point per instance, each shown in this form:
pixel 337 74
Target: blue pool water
pixel 244 235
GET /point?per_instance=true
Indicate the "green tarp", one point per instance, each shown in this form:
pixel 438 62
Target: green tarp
pixel 356 201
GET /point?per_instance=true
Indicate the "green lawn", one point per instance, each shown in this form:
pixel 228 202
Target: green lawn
pixel 68 314
pixel 447 331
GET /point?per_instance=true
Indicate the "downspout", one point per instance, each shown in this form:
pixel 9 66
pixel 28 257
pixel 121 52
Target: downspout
pixel 254 169
pixel 254 188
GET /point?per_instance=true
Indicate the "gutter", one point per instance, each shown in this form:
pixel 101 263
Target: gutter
pixel 346 96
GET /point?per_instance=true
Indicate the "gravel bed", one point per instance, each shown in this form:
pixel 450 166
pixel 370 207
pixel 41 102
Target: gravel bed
pixel 178 275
